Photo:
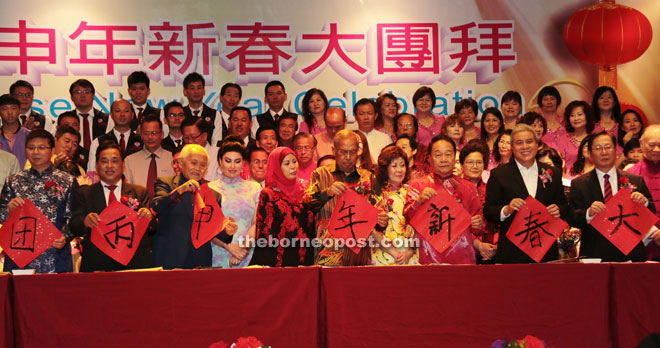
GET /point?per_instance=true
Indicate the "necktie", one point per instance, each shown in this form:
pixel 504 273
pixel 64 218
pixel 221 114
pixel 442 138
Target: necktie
pixel 178 142
pixel 87 139
pixel 196 112
pixel 607 187
pixel 122 144
pixel 276 117
pixel 23 120
pixel 151 176
pixel 111 196
pixel 139 118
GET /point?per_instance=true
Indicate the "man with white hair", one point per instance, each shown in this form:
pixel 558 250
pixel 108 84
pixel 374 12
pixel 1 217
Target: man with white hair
pixel 173 202
pixel 649 169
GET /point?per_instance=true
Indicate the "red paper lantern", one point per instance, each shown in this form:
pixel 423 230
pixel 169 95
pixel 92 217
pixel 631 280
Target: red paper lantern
pixel 607 34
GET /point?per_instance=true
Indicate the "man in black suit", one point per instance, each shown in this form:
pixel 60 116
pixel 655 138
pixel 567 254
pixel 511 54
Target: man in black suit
pixel 30 119
pixel 275 98
pixel 230 96
pixel 121 133
pixel 93 122
pixel 70 119
pixel 90 200
pixel 588 199
pixel 194 91
pixel 138 89
pixel 173 202
pixel 174 116
pixel 511 183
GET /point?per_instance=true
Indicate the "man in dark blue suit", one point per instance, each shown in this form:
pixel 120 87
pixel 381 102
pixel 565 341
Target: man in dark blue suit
pixel 138 89
pixel 173 202
pixel 587 198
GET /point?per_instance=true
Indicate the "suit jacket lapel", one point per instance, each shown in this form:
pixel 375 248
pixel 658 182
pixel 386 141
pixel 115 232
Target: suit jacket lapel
pixel 594 186
pixel 517 177
pixel 98 198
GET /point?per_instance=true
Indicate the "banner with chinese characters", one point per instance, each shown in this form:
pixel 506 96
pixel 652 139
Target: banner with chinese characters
pixel 475 49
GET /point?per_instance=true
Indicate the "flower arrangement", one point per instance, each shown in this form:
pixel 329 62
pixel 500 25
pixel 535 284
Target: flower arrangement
pixel 54 189
pixel 527 342
pixel 625 183
pixel 361 187
pixel 545 176
pixel 243 342
pixel 568 241
pixel 132 203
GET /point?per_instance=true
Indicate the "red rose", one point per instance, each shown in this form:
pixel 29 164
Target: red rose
pixel 623 180
pixel 49 184
pixel 248 342
pixel 390 202
pixel 219 344
pixel 549 171
pixel 124 199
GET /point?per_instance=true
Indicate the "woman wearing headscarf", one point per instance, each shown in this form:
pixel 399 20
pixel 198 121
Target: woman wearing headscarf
pixel 285 228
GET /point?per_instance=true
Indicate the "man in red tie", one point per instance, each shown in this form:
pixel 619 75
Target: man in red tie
pixel 143 167
pixel 275 97
pixel 121 133
pixel 93 122
pixel 138 89
pixel 90 200
pixel 194 91
pixel 30 119
pixel 592 190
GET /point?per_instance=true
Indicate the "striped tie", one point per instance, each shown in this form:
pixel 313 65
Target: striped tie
pixel 607 187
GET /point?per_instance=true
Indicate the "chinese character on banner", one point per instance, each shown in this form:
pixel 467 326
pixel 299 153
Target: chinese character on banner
pixel 31 52
pixel 624 223
pixel 485 48
pixel 261 51
pixel 534 230
pixel 334 47
pixel 208 220
pixel 173 53
pixel 353 218
pixel 441 220
pixel 119 232
pixel 27 233
pixel 111 51
pixel 403 53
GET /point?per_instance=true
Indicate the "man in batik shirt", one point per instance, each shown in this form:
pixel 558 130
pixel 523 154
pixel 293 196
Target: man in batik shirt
pixel 51 191
pixel 331 181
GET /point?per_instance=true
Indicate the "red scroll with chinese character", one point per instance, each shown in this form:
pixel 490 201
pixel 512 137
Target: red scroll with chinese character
pixel 119 232
pixel 208 220
pixel 352 220
pixel 624 223
pixel 27 233
pixel 441 220
pixel 534 230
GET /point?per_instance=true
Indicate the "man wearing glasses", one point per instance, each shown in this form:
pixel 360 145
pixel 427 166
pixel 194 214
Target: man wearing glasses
pixel 174 116
pixel 195 131
pixel 30 119
pixel 94 122
pixel 143 167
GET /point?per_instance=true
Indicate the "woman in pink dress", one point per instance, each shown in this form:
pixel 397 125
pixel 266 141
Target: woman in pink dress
pixel 607 110
pixel 430 124
pixel 387 108
pixel 549 100
pixel 314 104
pixel 579 121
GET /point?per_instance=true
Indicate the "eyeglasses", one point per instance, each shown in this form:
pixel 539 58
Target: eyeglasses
pixel 606 148
pixel 406 125
pixel 474 163
pixel 191 137
pixel 306 148
pixel 82 91
pixel 173 115
pixel 28 95
pixel 40 148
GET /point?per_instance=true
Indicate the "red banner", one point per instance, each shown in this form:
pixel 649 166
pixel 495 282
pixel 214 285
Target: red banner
pixel 624 223
pixel 119 232
pixel 209 220
pixel 353 219
pixel 441 220
pixel 27 233
pixel 534 230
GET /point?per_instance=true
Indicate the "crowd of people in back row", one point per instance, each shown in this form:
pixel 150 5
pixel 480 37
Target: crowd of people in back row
pixel 277 175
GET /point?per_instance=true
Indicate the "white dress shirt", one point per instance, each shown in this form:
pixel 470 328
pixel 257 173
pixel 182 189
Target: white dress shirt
pixel 530 177
pixel 106 191
pixel 136 166
pixel 377 141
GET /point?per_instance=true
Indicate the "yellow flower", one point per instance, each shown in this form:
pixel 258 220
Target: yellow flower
pixel 391 235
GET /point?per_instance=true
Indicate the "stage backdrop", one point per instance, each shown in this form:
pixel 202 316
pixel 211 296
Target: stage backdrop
pixel 351 49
